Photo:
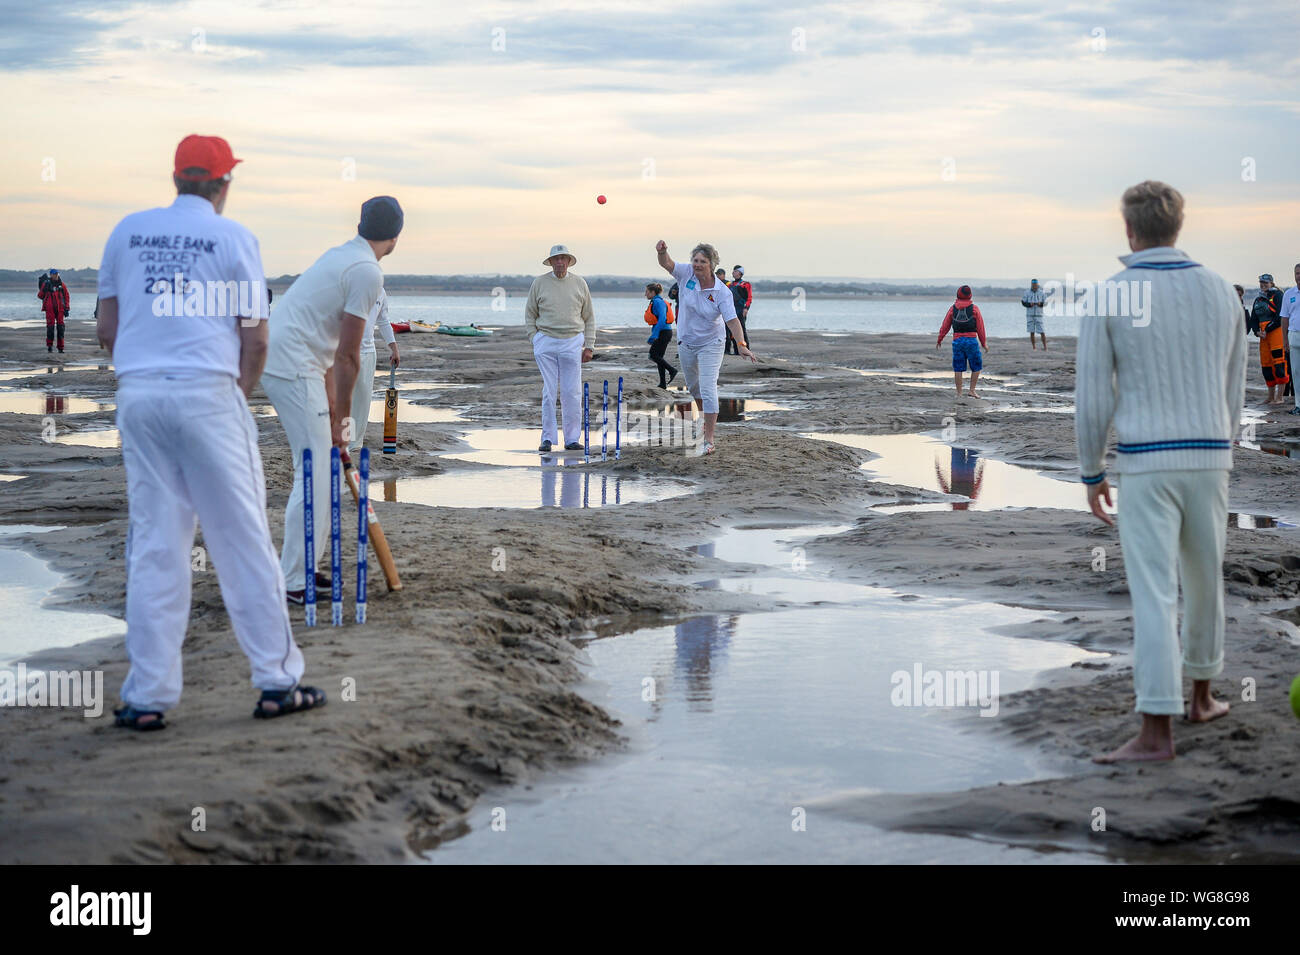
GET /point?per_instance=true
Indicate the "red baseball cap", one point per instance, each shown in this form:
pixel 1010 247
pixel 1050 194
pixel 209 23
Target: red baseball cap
pixel 209 153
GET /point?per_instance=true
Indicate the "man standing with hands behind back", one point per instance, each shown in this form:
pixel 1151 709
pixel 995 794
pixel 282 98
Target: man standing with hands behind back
pixel 562 328
pixel 312 366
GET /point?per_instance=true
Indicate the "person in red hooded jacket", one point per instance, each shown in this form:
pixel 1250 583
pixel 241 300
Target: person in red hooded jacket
pixel 967 326
pixel 57 304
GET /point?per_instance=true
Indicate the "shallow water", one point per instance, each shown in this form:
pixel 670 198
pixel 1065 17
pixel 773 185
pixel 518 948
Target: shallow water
pixel 106 438
pixel 47 403
pixel 520 487
pixel 423 385
pixel 918 461
pixel 738 720
pixel 1285 449
pixel 413 413
pixel 1256 522
pixel 515 447
pixel 910 373
pixel 865 313
pixel 25 582
pixel 8 373
pixel 729 408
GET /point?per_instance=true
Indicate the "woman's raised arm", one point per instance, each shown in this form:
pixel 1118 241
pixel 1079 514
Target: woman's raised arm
pixel 668 264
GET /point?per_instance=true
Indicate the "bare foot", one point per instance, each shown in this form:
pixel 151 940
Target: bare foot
pixel 1206 711
pixel 1139 750
pixel 973 395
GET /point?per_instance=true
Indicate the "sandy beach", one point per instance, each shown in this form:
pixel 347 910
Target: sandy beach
pixel 466 680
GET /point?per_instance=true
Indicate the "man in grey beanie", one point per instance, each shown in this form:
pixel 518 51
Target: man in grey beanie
pixel 312 364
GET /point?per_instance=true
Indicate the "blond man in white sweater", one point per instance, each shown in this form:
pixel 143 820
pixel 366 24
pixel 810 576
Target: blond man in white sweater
pixel 562 328
pixel 1172 381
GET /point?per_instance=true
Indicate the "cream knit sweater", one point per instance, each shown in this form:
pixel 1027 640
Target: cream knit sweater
pixel 1172 382
pixel 560 308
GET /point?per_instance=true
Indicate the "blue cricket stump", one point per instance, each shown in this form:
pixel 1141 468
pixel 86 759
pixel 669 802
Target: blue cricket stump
pixel 336 549
pixel 618 421
pixel 363 508
pixel 309 539
pixel 604 422
pixel 586 421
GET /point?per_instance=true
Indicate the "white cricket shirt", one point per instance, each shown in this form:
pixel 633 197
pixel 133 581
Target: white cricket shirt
pixel 171 270
pixel 307 319
pixel 702 313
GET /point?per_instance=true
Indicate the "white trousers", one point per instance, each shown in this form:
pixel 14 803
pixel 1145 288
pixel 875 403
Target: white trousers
pixel 362 397
pixel 304 413
pixel 1295 370
pixel 1172 526
pixel 190 449
pixel 700 366
pixel 560 362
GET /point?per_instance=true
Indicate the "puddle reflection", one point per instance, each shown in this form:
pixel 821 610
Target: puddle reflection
pixel 752 714
pixel 517 487
pixel 17 402
pixel 412 413
pixel 107 438
pixel 914 460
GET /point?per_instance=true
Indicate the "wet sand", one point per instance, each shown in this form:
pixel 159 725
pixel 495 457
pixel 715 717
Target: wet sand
pixel 465 680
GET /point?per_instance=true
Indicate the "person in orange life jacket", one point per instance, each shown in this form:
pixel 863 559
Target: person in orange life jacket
pixel 659 314
pixel 56 304
pixel 967 326
pixel 1265 314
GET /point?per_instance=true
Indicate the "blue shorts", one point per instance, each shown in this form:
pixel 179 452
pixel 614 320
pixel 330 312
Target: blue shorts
pixel 966 351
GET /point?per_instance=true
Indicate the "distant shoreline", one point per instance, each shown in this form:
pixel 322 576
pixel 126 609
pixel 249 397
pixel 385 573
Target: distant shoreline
pixel 759 293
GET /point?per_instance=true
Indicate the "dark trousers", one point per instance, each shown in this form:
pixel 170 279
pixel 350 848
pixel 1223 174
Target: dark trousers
pixel 732 347
pixel 657 349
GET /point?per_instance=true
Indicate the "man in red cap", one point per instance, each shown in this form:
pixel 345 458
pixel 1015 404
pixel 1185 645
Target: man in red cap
pixel 183 312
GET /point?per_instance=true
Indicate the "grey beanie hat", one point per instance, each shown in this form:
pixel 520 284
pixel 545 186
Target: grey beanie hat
pixel 381 218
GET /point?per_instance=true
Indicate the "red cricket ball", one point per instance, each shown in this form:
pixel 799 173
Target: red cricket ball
pixel 601 200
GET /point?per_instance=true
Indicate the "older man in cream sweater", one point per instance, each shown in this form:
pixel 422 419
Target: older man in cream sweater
pixel 562 328
pixel 1172 381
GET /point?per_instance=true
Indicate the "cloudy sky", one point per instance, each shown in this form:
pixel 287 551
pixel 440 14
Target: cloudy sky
pixel 980 138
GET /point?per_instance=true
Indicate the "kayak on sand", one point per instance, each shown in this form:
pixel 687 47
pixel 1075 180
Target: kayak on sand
pixel 439 327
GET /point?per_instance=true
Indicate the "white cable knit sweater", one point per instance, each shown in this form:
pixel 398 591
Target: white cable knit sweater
pixel 1173 387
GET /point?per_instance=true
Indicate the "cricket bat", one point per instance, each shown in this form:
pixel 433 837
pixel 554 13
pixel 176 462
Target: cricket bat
pixel 390 412
pixel 377 539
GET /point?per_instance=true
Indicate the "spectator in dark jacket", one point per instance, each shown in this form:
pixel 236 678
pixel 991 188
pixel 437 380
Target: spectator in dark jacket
pixel 742 293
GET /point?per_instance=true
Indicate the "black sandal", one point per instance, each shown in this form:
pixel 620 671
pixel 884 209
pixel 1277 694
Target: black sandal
pixel 129 717
pixel 292 700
